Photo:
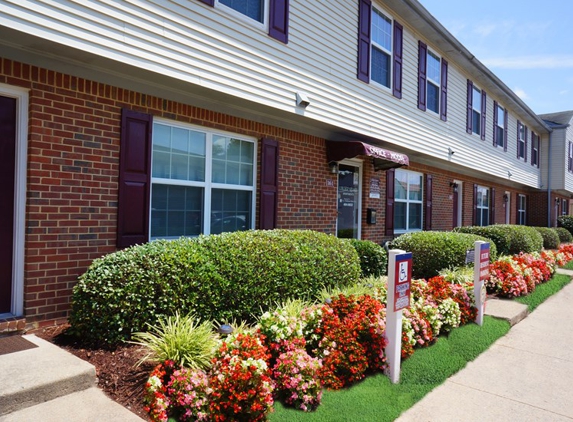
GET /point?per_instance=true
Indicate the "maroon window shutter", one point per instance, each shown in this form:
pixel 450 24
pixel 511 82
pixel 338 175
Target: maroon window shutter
pixel 398 36
pixel 134 178
pixel 428 216
pixel 269 184
pixel 518 127
pixel 505 128
pixel 469 114
pixel 525 146
pixel 278 20
pixel 495 119
pixel 389 220
pixel 422 58
pixel 364 16
pixel 483 110
pixel 444 91
pixel 492 207
pixel 209 2
pixel 475 205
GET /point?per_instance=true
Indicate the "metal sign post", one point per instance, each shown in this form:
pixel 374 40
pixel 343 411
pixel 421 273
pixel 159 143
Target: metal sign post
pixel 399 277
pixel 481 273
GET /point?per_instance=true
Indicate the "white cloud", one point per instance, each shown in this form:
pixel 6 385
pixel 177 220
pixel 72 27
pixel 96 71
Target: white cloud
pixel 531 62
pixel 520 93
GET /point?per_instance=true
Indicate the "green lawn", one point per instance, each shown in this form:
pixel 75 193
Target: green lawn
pixel 376 399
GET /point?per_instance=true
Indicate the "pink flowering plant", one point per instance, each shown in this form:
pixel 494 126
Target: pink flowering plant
pixel 297 377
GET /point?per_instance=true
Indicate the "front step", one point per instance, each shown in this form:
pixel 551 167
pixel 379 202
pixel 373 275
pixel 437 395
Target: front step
pixel 37 375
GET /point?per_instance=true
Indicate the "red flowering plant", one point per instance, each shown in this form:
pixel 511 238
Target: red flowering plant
pixel 506 278
pixel 156 401
pixel 463 295
pixel 352 341
pixel 567 250
pixel 242 389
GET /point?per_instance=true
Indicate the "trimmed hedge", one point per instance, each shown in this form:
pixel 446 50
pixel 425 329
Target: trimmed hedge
pixel 433 251
pixel 566 221
pixel 550 237
pixel 564 235
pixel 219 277
pixel 523 239
pixel 496 233
pixel 373 257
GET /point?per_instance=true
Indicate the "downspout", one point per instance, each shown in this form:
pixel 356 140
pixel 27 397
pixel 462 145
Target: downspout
pixel 549 210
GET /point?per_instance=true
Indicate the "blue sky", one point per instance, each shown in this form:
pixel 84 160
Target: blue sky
pixel 528 44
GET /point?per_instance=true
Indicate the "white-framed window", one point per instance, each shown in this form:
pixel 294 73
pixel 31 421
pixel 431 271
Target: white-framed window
pixel 521 142
pixel 433 81
pixel 564 206
pixel 202 181
pixel 521 209
pixel 483 204
pixel 500 127
pixel 257 10
pixel 381 48
pixel 476 111
pixel 570 157
pixel 408 206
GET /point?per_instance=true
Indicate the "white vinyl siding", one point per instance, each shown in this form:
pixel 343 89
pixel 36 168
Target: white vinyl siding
pixel 221 58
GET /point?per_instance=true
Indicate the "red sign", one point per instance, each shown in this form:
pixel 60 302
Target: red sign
pixel 484 261
pixel 403 275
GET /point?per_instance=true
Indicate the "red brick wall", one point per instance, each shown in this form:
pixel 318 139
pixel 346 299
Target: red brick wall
pixel 73 165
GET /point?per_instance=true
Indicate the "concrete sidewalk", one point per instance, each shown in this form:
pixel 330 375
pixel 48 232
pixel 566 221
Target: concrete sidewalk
pixel 527 375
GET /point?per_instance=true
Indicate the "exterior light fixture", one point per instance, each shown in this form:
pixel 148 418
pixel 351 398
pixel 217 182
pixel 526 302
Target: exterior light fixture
pixel 225 329
pixel 454 186
pixel 505 197
pixel 451 151
pixel 333 165
pixel 302 99
pixel 509 174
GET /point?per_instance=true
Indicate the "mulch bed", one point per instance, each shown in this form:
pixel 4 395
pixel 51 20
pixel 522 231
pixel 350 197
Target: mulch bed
pixel 116 369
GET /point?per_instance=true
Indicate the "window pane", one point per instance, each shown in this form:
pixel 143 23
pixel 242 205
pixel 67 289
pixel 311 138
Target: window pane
pixel 172 152
pixel 381 30
pixel 433 97
pixel 476 122
pixel 500 136
pixel 228 154
pixel 484 217
pixel 400 185
pixel 476 99
pixel 176 211
pixel 415 186
pixel 251 8
pixel 415 217
pixel 400 216
pixel 433 67
pixel 230 210
pixel 380 67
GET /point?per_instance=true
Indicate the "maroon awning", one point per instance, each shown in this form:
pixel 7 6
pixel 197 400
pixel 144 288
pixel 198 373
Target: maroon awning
pixel 383 159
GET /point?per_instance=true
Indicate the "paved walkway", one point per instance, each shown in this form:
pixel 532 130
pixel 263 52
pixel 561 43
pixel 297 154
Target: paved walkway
pixel 527 375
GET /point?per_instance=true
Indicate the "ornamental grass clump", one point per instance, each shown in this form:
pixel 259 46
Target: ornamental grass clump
pixel 181 339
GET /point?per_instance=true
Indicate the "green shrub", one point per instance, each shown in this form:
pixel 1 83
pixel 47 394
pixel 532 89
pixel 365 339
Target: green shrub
pixel 550 237
pixel 220 277
pixel 523 239
pixel 495 233
pixel 433 251
pixel 373 257
pixel 566 221
pixel 181 339
pixel 564 235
